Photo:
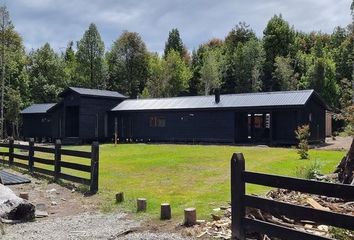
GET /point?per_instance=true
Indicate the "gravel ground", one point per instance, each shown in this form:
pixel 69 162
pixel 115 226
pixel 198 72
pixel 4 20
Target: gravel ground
pixel 83 226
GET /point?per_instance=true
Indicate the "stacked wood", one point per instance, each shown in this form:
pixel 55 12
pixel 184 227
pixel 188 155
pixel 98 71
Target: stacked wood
pixel 13 207
pixel 345 169
pixel 220 227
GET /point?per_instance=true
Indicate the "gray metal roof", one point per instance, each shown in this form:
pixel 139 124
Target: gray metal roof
pixel 38 108
pixel 93 92
pixel 265 99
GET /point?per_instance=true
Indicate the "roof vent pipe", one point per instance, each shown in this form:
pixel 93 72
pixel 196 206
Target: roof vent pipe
pixel 217 95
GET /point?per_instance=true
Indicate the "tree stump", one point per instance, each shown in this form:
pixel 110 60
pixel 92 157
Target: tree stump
pixel 165 211
pixel 190 217
pixel 24 195
pixel 345 169
pixel 119 197
pixel 141 204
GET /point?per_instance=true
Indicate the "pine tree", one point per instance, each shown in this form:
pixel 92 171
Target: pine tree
pixel 174 42
pixel 90 57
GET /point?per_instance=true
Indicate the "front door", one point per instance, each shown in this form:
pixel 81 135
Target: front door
pixel 72 121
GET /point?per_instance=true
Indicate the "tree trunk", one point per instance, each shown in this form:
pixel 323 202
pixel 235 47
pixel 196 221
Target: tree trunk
pixel 13 207
pixel 345 169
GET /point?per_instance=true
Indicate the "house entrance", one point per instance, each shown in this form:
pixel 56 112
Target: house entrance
pixel 72 121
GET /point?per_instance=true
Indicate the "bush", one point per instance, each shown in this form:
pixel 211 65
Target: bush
pixel 302 135
pixel 310 171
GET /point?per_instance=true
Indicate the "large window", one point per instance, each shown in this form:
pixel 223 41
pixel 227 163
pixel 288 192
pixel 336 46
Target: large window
pixel 157 122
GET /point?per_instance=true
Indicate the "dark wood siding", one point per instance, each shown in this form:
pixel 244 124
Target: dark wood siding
pixel 36 125
pixel 180 126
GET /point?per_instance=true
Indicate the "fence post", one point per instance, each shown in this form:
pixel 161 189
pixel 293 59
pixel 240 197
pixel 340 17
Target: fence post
pixel 94 167
pixel 57 159
pixel 11 150
pixel 238 210
pixel 30 155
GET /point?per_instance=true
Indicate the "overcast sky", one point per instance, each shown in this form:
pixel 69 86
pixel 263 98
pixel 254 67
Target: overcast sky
pixel 59 21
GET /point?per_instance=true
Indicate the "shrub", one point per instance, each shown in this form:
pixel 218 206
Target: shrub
pixel 302 135
pixel 309 171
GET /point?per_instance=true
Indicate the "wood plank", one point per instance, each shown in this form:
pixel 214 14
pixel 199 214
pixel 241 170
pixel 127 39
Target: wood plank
pixel 43 171
pixel 274 230
pixel 20 165
pixel 301 185
pixel 19 146
pixel 19 156
pixel 43 161
pixel 74 179
pixel 5 145
pixel 5 154
pixel 300 213
pixel 75 153
pixel 76 166
pixel 43 149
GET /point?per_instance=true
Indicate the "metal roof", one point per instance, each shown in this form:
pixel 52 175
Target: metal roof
pixel 264 99
pixel 38 108
pixel 93 92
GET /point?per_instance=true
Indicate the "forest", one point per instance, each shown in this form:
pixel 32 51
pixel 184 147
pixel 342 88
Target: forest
pixel 282 59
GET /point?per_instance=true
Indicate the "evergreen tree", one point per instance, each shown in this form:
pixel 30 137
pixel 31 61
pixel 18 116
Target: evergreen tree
pixel 70 65
pixel 128 64
pixel 241 33
pixel 277 41
pixel 174 42
pixel 284 74
pixel 91 69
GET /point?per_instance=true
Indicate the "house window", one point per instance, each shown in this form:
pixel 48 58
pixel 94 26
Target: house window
pixel 157 122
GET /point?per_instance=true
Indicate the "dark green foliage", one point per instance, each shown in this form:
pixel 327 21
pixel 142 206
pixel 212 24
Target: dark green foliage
pixel 174 42
pixel 128 64
pixel 91 70
pixel 46 71
pixel 277 41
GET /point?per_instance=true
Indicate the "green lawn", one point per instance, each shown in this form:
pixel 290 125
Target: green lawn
pixel 189 175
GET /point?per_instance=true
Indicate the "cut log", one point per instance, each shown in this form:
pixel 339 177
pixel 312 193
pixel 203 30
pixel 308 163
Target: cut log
pixel 119 197
pixel 13 207
pixel 141 204
pixel 345 169
pixel 190 217
pixel 165 211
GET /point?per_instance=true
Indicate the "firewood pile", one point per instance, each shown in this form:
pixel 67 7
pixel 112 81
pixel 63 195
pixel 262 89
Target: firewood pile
pixel 220 227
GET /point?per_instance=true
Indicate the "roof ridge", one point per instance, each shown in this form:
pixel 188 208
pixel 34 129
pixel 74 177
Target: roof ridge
pixel 228 94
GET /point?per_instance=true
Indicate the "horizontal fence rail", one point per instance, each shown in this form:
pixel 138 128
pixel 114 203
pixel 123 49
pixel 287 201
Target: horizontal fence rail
pixel 240 201
pixel 56 162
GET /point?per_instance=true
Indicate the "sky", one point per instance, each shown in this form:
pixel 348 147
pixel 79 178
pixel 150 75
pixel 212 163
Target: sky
pixel 60 21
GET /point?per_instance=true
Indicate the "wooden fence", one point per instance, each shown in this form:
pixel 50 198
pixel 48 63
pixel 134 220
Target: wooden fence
pixel 240 200
pixel 57 161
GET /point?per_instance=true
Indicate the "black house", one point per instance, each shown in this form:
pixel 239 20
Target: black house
pixel 262 118
pixel 81 115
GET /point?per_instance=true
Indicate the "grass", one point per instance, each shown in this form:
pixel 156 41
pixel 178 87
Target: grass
pixel 188 175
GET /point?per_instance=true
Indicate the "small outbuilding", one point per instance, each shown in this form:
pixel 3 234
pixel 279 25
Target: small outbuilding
pixel 37 121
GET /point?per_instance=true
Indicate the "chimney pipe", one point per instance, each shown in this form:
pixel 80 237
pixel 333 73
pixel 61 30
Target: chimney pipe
pixel 217 95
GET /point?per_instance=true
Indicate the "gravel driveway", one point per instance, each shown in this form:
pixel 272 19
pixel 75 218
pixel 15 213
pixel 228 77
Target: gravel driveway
pixel 83 226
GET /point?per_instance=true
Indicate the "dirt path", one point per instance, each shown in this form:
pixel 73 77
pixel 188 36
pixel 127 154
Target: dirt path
pixel 71 215
pixel 340 143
